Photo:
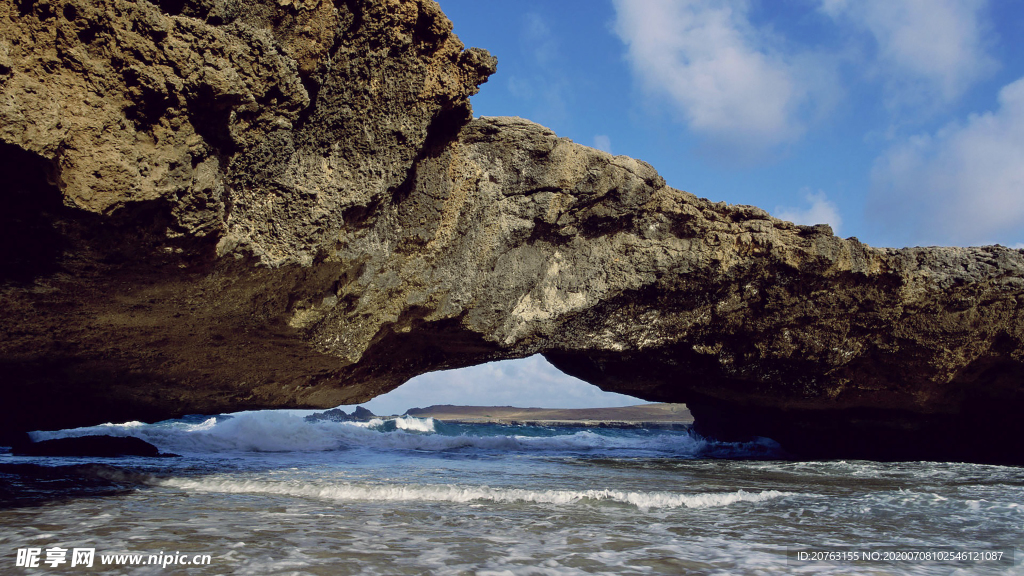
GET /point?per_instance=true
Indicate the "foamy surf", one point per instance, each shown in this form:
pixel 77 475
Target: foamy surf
pixel 272 431
pixel 465 494
pixel 268 493
pixel 413 424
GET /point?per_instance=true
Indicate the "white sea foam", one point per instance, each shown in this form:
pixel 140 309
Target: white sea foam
pixel 414 424
pixel 249 432
pixel 280 432
pixel 372 423
pixel 271 431
pixel 529 513
pixel 344 492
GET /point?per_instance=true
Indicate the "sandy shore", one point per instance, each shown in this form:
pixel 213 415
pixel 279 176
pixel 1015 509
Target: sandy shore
pixel 656 415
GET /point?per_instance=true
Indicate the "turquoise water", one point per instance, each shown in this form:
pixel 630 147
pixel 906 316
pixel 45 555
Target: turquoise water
pixel 270 493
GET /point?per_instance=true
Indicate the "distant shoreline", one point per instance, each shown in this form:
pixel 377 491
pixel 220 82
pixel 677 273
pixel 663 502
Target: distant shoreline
pixel 642 416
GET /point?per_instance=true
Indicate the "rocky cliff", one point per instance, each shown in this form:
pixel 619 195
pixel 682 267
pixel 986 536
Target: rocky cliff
pixel 212 205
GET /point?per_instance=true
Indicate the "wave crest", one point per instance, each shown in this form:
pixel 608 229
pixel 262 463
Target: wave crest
pixel 273 431
pixel 462 494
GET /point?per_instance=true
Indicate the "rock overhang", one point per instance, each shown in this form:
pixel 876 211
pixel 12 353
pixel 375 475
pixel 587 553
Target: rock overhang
pixel 296 210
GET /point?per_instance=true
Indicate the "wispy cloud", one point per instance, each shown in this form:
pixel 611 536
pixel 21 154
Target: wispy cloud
pixel 927 51
pixel 543 85
pixel 732 82
pixel 963 184
pixel 821 210
pixel 603 142
pixel 539 39
pixel 749 90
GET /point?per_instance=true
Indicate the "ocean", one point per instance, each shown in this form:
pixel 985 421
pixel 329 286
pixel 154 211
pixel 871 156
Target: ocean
pixel 271 493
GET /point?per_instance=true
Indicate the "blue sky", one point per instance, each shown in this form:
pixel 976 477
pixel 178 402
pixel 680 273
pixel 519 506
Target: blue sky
pixel 900 122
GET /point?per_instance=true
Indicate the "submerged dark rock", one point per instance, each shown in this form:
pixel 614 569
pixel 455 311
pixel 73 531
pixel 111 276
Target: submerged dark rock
pixel 35 485
pixel 96 446
pixel 296 210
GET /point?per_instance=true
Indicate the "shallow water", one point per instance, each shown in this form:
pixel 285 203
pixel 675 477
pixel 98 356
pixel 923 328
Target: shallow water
pixel 269 493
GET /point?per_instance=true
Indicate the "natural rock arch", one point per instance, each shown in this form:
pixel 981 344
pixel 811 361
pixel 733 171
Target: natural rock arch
pixel 346 226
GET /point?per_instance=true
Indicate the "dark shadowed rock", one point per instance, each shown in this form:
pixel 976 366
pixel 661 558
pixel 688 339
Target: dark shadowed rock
pixel 220 206
pixel 332 415
pixel 96 446
pixel 360 414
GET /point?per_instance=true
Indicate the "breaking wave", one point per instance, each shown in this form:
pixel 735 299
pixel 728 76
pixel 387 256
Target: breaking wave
pixel 272 431
pixel 414 424
pixel 454 493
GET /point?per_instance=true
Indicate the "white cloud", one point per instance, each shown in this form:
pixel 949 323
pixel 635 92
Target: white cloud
pixel 729 79
pixel 603 142
pixel 927 50
pixel 821 211
pixel 526 383
pixel 962 185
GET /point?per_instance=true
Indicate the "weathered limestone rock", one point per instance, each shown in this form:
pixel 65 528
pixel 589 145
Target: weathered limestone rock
pixel 213 207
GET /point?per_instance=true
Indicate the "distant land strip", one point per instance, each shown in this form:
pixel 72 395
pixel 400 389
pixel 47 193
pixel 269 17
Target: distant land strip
pixel 643 415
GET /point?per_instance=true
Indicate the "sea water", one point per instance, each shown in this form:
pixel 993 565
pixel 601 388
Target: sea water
pixel 272 493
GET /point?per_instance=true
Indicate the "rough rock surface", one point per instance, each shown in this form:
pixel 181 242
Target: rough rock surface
pixel 212 205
